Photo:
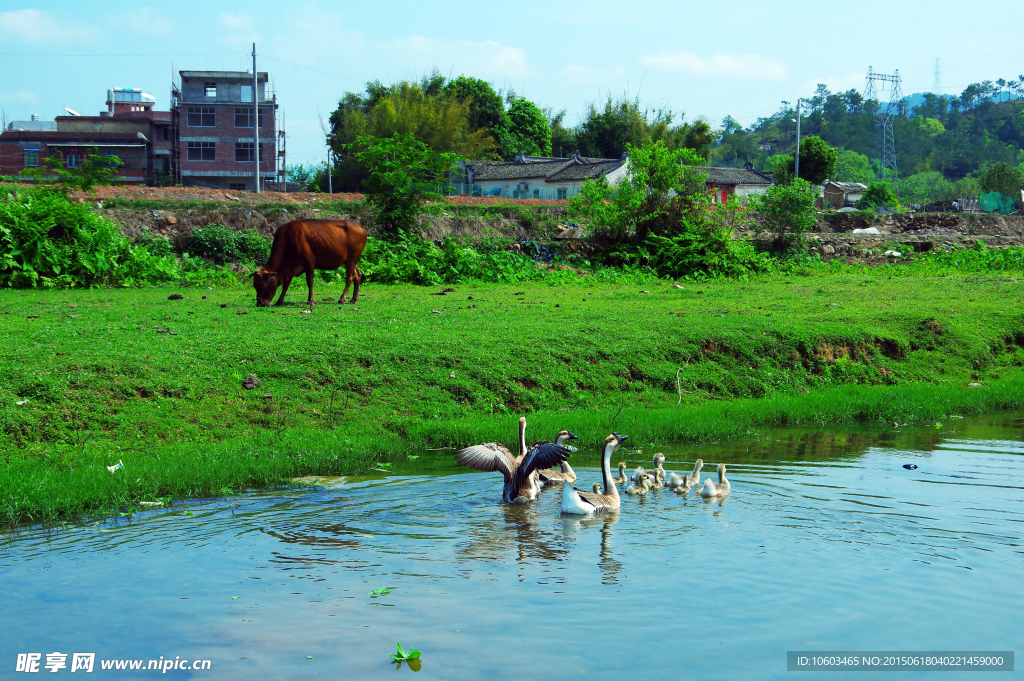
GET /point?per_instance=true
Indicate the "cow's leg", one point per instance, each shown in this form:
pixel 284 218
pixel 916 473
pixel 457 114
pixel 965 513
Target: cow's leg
pixel 348 283
pixel 309 282
pixel 358 279
pixel 286 280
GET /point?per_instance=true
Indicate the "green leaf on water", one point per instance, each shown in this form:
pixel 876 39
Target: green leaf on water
pixel 235 598
pixel 379 591
pixel 402 656
pixel 413 457
pixel 938 424
pixel 309 657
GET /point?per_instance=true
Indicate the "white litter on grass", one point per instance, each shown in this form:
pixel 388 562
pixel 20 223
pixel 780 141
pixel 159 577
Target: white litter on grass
pixel 116 467
pixel 867 230
pixel 895 254
pixel 22 403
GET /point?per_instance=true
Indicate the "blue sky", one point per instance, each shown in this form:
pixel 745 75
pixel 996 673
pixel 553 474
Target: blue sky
pixel 709 59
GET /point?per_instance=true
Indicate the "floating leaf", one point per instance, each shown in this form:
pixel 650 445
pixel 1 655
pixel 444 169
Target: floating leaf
pixel 413 457
pixel 235 598
pixel 379 591
pixel 401 655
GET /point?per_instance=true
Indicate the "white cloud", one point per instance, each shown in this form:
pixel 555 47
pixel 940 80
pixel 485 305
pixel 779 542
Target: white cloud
pixel 241 22
pixel 483 58
pixel 735 66
pixel 34 27
pixel 144 20
pixel 19 97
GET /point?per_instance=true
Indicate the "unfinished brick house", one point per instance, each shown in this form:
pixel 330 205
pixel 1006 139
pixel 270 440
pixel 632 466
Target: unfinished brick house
pixel 212 130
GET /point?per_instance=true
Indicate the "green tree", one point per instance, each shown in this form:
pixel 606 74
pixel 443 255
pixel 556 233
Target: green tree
pixel 786 212
pixel 817 162
pixel 401 171
pixel 878 195
pixel 528 129
pixel 1003 178
pixel 301 174
pixel 852 167
pixel 927 187
pixel 486 108
pixel 659 217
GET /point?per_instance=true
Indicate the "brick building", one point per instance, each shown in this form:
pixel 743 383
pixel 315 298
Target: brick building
pixel 212 129
pixel 128 129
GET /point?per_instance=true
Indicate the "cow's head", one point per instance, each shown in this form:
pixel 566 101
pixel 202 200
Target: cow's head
pixel 265 284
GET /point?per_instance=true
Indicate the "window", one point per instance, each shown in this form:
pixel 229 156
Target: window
pixel 243 117
pixel 562 193
pixel 73 160
pixel 236 187
pixel 243 151
pixel 201 117
pixel 31 158
pixel 246 93
pixel 211 90
pixel 167 133
pixel 202 151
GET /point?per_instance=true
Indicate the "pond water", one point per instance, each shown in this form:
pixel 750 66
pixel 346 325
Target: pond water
pixel 827 543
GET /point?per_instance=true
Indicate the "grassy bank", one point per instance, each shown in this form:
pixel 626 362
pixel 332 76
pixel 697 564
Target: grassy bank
pixel 110 375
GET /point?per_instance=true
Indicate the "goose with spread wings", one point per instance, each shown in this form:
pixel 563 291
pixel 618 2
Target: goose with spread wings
pixel 567 474
pixel 522 481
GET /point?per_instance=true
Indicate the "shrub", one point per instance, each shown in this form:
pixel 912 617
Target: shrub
pixel 223 245
pixel 49 241
pixel 878 195
pixel 786 211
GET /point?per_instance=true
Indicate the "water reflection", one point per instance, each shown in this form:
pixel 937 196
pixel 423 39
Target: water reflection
pixel 825 541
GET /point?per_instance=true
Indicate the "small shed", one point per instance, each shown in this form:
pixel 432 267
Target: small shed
pixel 842 194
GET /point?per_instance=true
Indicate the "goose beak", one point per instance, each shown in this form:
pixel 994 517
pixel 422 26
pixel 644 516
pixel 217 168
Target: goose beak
pixel 573 436
pixel 620 438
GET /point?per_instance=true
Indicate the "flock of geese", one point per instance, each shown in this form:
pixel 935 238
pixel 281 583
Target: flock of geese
pixel 533 469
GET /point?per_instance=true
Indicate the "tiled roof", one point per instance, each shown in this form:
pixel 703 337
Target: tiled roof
pixel 721 176
pixel 584 171
pixel 848 187
pixel 490 170
pixel 550 170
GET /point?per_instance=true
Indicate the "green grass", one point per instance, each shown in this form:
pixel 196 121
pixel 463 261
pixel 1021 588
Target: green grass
pixel 405 370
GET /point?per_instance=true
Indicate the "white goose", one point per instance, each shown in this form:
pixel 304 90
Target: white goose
pixel 691 480
pixel 567 474
pixel 577 502
pixel 711 490
pixel 640 487
pixel 522 484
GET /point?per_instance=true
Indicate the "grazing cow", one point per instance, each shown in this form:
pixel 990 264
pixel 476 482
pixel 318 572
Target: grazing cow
pixel 306 246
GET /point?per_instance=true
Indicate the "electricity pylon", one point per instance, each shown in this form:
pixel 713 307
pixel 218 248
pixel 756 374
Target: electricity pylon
pixel 883 147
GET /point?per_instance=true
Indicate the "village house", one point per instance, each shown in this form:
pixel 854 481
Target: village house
pixel 740 182
pixel 842 194
pixel 538 177
pixel 212 130
pixel 129 129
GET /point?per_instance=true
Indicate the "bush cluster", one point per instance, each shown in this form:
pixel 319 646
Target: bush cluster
pixel 223 245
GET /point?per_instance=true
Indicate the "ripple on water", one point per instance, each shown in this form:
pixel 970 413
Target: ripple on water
pixel 837 550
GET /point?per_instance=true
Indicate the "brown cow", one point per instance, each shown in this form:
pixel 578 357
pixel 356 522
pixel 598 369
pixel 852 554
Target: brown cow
pixel 308 245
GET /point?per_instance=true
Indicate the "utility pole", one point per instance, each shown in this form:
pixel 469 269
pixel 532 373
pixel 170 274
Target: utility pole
pixel 330 190
pixel 797 164
pixel 255 123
